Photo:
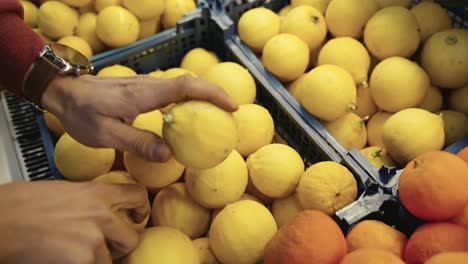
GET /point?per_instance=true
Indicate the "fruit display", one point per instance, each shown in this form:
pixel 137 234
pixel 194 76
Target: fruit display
pixel 94 26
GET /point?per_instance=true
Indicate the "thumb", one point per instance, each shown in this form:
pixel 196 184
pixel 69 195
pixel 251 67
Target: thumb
pixel 144 143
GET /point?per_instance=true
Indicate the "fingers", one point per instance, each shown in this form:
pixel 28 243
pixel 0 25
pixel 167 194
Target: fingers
pixel 103 256
pixel 121 238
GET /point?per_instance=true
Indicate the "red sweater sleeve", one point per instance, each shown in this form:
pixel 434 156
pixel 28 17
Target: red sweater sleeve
pixel 19 46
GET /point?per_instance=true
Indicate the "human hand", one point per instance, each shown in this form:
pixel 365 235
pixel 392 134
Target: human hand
pixel 99 111
pixel 63 222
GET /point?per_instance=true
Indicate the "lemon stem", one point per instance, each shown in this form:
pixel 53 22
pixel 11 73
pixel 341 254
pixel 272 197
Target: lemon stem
pixel 451 40
pixel 363 84
pixel 168 118
pixel 377 153
pixel 352 107
pixel 315 19
pixel 416 164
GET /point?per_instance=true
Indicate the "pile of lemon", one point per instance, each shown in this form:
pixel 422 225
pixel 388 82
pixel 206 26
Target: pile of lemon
pixel 372 71
pixel 228 176
pixel 93 26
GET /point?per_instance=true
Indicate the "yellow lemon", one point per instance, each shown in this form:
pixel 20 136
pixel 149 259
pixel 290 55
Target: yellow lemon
pixel 328 92
pixel 350 55
pixel 153 175
pixel 375 127
pixel 307 23
pixel 293 87
pixel 349 130
pixel 340 12
pixel 377 156
pixel 244 196
pixel 364 102
pixel 458 99
pixel 54 124
pixel 30 13
pixel 174 207
pixel 199 61
pixel 116 26
pixel 149 27
pixel 88 8
pixel 275 170
pixel 285 209
pixel 86 29
pixel 56 19
pixel 204 251
pixel 175 10
pixel 433 100
pixel 255 128
pixel 43 37
pixel 235 80
pixel 412 132
pixel 231 246
pixel 252 190
pixel 455 126
pixel 115 177
pixel 398 83
pixel 320 5
pixel 76 3
pixel 165 244
pixel 151 121
pixel 284 46
pixel 431 18
pixel 392 31
pixel 99 5
pixel 326 186
pixel 77 162
pixel 176 72
pixel 145 9
pixel 257 26
pixel 157 73
pixel 116 71
pixel 78 44
pixel 386 3
pixel 218 186
pixel 445 58
pixel 284 11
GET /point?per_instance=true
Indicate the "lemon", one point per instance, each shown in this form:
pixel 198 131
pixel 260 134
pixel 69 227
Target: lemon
pixel 349 130
pixel 375 127
pixel 116 26
pixel 149 27
pixel 100 5
pixel 145 9
pixel 293 87
pixel 174 207
pixel 252 190
pixel 364 102
pixel 199 61
pixel 412 132
pixel 386 3
pixel 88 8
pixel 175 10
pixel 218 186
pixel 30 13
pixel 320 5
pixel 326 186
pixel 398 83
pixel 433 100
pixel 56 19
pixel 77 162
pixel 244 196
pixel 176 72
pixel 285 209
pixel 54 124
pixel 235 80
pixel 116 71
pixel 431 18
pixel 328 92
pixel 377 156
pixel 392 31
pixel 78 44
pixel 455 126
pixel 231 246
pixel 76 3
pixel 458 99
pixel 257 26
pixel 340 12
pixel 115 177
pixel 350 55
pixel 445 58
pixel 275 170
pixel 284 11
pixel 153 175
pixel 86 29
pixel 164 244
pixel 157 73
pixel 284 46
pixel 255 128
pixel 204 251
pixel 151 121
pixel 307 23
pixel 43 37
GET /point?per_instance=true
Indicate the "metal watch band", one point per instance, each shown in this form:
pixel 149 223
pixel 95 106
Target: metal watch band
pixel 41 74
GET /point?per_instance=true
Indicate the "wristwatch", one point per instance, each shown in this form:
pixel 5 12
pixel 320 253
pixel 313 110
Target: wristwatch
pixel 54 59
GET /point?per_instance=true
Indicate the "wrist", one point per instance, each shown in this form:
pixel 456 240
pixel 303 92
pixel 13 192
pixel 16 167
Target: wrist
pixel 55 94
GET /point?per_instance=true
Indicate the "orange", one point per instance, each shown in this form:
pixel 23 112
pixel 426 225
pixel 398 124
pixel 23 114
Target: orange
pixel 462 218
pixel 449 257
pixel 433 238
pixel 310 237
pixel 376 235
pixel 463 154
pixel 434 186
pixel 371 256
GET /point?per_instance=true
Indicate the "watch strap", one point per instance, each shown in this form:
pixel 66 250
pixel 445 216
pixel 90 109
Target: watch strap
pixel 41 73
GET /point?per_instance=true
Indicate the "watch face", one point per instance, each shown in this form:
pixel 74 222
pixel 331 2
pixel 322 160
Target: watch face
pixel 70 55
